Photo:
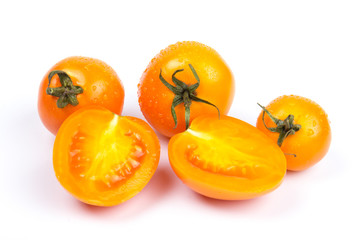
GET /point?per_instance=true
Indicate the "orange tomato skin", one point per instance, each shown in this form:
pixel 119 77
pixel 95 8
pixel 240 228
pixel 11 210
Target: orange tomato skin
pixel 226 159
pixel 216 85
pixel 93 144
pixel 100 83
pixel 311 142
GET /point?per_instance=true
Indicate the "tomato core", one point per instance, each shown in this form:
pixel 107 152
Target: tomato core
pixel 223 159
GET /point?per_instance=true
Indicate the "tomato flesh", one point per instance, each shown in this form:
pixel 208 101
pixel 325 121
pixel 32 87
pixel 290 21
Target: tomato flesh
pixel 226 159
pixel 97 154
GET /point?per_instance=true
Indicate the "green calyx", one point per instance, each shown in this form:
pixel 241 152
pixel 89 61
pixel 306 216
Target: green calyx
pixel 184 94
pixel 285 127
pixel 67 92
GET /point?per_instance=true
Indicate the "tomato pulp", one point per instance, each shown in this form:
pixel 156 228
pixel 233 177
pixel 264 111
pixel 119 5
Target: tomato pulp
pixel 226 159
pixel 104 159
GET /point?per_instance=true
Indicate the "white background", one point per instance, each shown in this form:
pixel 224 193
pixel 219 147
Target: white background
pixel 309 48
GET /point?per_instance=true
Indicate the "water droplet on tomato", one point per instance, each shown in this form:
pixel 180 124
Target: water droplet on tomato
pixel 310 132
pixel 314 123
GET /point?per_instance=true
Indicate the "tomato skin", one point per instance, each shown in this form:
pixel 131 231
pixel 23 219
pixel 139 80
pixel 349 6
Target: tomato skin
pixel 85 148
pixel 216 85
pixel 311 142
pixel 100 83
pixel 226 159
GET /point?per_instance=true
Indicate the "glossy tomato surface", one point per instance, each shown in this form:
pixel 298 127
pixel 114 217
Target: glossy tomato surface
pixel 226 159
pixel 311 143
pixel 102 158
pixel 100 83
pixel 216 86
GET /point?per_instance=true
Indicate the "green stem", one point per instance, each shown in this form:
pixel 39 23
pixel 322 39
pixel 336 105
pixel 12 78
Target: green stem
pixel 184 94
pixel 67 93
pixel 187 104
pixel 285 127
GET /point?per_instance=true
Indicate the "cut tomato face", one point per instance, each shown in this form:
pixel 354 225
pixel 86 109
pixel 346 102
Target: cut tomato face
pixel 104 159
pixel 226 159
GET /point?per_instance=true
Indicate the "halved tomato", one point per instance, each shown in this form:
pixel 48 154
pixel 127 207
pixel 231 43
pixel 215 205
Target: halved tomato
pixel 226 159
pixel 102 158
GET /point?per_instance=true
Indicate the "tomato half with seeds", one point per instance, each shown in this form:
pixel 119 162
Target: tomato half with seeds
pixel 300 127
pixel 76 82
pixel 226 159
pixel 183 81
pixel 102 158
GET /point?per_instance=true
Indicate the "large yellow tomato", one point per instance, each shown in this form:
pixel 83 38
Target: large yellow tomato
pixel 182 82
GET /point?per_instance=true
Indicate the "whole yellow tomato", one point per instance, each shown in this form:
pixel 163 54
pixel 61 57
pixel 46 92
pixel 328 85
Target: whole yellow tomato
pixel 201 83
pixel 76 82
pixel 300 127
